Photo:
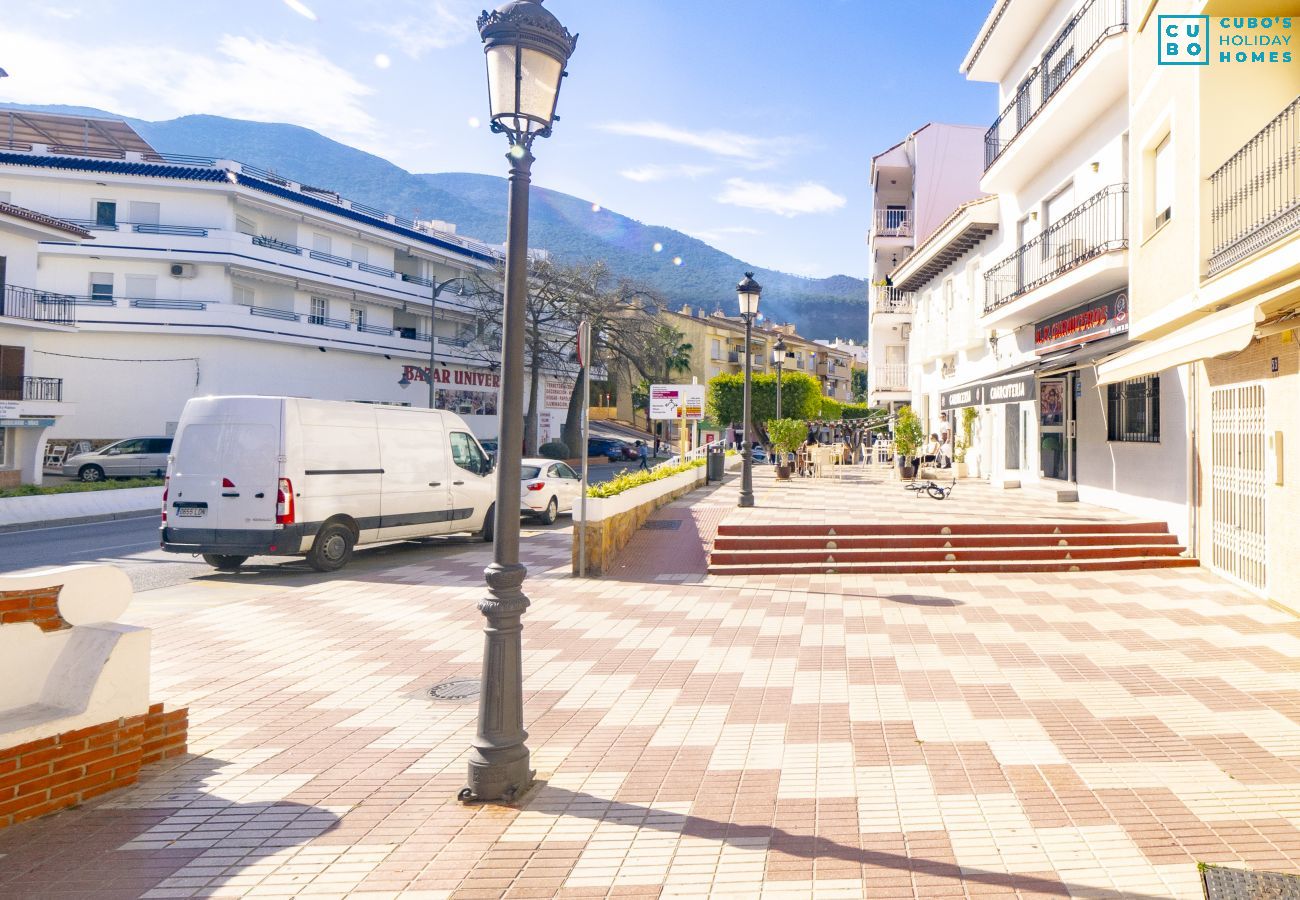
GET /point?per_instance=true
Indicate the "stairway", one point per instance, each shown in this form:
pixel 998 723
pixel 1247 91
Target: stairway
pixel 883 549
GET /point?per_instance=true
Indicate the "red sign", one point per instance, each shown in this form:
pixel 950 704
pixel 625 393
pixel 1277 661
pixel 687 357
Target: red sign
pixel 466 378
pixel 1095 319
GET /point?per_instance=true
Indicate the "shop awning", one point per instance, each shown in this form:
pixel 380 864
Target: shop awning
pixel 1229 331
pixel 1082 355
pixel 1010 386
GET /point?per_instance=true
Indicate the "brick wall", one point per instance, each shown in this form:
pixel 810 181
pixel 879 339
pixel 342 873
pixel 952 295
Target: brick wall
pixel 57 772
pixel 10 478
pixel 39 606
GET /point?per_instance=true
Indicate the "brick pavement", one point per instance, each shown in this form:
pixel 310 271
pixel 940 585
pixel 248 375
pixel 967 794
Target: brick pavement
pixel 1091 735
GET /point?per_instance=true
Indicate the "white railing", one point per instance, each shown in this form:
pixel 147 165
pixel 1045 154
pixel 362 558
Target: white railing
pixel 893 222
pixel 890 377
pixel 699 452
pixel 892 300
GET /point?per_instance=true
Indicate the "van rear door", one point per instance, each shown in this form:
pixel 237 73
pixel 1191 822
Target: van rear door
pixel 416 496
pixel 225 466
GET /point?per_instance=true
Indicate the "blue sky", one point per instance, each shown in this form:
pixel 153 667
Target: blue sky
pixel 749 123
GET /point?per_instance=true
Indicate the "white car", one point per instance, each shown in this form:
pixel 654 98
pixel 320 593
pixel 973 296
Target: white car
pixel 548 489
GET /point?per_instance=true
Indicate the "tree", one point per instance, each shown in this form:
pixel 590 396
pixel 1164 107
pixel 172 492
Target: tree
pixel 801 397
pixel 858 384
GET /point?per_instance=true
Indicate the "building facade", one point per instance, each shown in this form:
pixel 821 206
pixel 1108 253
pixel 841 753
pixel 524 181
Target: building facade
pixel 914 186
pixel 206 276
pixel 1215 277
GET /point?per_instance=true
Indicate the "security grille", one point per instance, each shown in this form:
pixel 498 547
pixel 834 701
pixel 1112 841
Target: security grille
pixel 1238 483
pixel 1133 410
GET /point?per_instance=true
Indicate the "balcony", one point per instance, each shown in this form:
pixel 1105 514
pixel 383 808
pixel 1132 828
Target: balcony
pixel 37 306
pixel 1256 193
pixel 1054 79
pixel 892 223
pixel 1097 227
pixel 890 377
pixel 28 387
pixel 893 300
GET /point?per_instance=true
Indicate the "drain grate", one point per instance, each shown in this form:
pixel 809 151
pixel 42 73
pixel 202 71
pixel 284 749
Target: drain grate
pixel 663 525
pixel 458 690
pixel 1239 884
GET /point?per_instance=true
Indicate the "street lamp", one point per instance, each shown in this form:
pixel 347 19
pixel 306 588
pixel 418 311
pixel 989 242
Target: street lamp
pixel 778 360
pixel 527 49
pixel 748 293
pixel 433 334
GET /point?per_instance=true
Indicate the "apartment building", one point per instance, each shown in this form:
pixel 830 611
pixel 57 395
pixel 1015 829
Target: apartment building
pixel 915 185
pixel 1215 278
pixel 165 277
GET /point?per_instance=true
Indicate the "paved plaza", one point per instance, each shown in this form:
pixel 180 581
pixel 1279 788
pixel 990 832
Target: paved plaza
pixel 1087 735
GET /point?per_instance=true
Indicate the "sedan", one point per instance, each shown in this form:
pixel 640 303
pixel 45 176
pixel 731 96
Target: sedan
pixel 133 458
pixel 548 489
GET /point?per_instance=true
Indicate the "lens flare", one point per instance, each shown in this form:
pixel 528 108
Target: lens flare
pixel 517 152
pixel 595 207
pixel 659 248
pixel 474 122
pixel 677 260
pixel 383 61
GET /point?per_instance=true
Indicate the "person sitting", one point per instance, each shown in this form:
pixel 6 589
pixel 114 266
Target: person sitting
pixel 932 449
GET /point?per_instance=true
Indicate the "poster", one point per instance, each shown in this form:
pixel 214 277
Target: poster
pixel 1051 403
pixel 677 401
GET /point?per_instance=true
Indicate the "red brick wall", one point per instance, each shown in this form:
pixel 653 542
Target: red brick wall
pixel 54 773
pixel 40 606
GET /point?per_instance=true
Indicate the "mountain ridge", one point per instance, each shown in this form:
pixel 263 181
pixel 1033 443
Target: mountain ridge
pixel 570 228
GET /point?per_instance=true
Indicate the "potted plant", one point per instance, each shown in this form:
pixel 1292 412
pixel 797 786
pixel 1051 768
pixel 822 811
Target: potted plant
pixel 787 435
pixel 908 435
pixel 963 443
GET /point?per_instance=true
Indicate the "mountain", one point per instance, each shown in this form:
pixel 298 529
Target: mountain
pixel 566 226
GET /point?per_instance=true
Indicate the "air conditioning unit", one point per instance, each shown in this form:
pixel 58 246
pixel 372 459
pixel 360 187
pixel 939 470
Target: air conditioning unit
pixel 182 270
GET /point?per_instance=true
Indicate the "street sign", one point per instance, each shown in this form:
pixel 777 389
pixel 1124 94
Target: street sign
pixel 584 343
pixel 677 401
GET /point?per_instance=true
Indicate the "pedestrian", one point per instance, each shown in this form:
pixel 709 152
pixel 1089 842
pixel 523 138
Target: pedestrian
pixel 643 454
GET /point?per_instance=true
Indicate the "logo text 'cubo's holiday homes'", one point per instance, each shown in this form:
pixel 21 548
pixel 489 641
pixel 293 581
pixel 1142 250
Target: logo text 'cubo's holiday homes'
pixel 1187 41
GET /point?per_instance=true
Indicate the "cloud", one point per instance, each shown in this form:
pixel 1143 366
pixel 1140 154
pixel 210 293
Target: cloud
pixel 644 174
pixel 726 144
pixel 249 78
pixel 783 200
pixel 301 9
pixel 426 26
pixel 716 235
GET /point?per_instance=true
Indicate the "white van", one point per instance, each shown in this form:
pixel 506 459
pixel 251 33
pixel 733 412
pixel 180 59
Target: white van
pixel 256 476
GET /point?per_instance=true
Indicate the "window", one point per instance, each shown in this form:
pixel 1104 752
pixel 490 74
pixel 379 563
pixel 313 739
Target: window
pixel 245 226
pixel 465 453
pixel 142 287
pixel 563 471
pixel 360 253
pixel 101 286
pixel 1164 183
pixel 135 446
pixel 321 243
pixel 144 213
pixel 1133 410
pixel 358 316
pixel 320 310
pixel 243 296
pixel 158 445
pixel 106 213
pixel 716 348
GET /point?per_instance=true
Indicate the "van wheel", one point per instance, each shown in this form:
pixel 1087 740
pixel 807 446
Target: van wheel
pixel 91 473
pixel 489 532
pixel 224 562
pixel 332 548
pixel 552 510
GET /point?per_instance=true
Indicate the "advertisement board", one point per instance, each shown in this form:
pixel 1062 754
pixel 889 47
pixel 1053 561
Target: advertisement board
pixel 677 401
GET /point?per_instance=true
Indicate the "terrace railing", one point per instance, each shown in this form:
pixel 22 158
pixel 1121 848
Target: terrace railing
pixel 38 306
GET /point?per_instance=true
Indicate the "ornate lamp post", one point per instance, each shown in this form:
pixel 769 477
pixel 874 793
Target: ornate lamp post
pixel 748 293
pixel 778 360
pixel 527 49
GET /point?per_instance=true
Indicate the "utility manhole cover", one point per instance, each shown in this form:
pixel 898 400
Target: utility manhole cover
pixel 1239 884
pixel 458 690
pixel 663 525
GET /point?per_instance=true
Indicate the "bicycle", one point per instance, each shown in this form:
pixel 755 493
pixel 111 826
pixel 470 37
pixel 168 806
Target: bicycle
pixel 932 489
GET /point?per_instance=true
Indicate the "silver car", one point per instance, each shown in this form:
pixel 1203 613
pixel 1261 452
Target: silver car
pixel 139 457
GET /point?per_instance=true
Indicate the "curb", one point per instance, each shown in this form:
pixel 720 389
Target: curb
pixel 39 524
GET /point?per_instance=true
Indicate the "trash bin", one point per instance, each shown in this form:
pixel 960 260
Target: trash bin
pixel 716 463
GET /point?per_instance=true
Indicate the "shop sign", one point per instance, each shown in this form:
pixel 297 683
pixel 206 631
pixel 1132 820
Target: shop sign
pixel 1095 319
pixel 677 401
pixel 467 392
pixel 990 393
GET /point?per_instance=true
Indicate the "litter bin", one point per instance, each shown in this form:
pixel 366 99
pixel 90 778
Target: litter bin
pixel 716 463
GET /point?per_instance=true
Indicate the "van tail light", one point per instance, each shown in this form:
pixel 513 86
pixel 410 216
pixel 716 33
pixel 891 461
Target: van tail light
pixel 167 486
pixel 535 485
pixel 226 482
pixel 284 503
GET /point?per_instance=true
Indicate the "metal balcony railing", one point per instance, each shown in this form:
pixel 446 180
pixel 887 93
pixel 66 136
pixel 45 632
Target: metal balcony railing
pixel 38 306
pixel 893 223
pixel 890 377
pixel 263 240
pixel 1086 30
pixel 1099 225
pixel 28 387
pixel 892 300
pixel 1256 193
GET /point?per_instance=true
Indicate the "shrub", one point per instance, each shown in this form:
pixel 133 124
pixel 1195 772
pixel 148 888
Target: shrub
pixel 787 434
pixel 626 480
pixel 908 433
pixel 554 450
pixel 801 397
pixel 77 487
pixel 832 409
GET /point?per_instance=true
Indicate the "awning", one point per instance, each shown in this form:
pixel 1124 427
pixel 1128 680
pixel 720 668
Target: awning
pixel 1082 355
pixel 1010 386
pixel 1229 331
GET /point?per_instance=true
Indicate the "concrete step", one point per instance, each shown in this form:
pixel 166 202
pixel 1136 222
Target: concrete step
pixel 880 529
pixel 920 542
pixel 955 554
pixel 1104 564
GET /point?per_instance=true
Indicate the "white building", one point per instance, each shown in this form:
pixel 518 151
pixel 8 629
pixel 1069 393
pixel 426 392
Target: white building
pixel 210 277
pixel 1055 298
pixel 914 186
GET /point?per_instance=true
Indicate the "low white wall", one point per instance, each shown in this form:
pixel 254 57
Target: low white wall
pixel 601 508
pixel 82 504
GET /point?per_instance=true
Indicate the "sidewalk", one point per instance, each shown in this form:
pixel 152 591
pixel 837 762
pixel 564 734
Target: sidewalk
pixel 938 736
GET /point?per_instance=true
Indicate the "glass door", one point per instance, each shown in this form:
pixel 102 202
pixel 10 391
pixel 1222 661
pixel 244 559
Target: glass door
pixel 1055 428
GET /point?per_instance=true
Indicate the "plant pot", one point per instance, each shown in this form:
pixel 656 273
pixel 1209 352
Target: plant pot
pixel 961 470
pixel 782 473
pixel 907 472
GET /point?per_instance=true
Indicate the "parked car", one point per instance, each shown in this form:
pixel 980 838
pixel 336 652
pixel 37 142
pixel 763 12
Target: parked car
pixel 252 476
pixel 548 488
pixel 490 448
pixel 138 457
pixel 606 447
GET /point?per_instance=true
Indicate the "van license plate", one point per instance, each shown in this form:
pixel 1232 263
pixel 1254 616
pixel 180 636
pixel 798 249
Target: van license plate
pixel 191 511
